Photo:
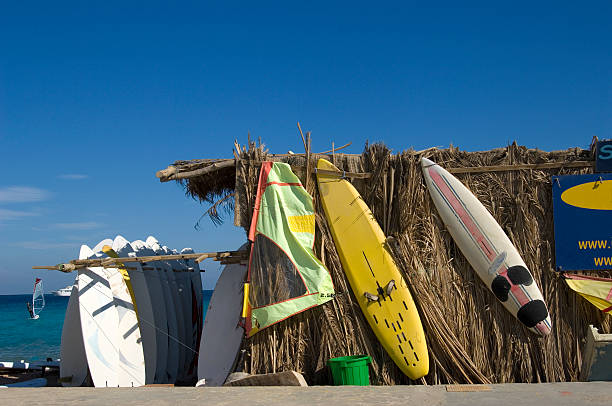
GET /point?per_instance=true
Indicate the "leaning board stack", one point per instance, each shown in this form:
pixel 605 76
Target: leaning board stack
pixel 132 325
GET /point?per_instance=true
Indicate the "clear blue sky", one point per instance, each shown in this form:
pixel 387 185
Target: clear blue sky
pixel 95 98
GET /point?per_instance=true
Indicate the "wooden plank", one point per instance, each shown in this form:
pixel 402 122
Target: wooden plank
pixel 286 378
pixel 467 388
pixel 517 167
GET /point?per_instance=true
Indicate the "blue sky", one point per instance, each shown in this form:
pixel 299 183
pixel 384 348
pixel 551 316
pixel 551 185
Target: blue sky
pixel 94 99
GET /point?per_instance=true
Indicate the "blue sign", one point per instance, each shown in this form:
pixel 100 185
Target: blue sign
pixel 603 162
pixel 582 210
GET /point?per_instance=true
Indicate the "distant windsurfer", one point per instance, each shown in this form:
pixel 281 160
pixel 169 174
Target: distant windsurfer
pixel 30 310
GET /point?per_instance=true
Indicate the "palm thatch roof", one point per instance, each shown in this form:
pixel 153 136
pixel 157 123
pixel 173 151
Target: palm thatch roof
pixel 471 337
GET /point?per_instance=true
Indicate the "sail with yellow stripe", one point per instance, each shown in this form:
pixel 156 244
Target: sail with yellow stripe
pixel 596 290
pixel 284 277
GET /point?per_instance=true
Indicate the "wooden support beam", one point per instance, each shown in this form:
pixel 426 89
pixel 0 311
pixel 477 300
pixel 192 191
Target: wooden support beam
pixel 340 174
pixel 167 173
pixel 114 262
pixel 172 173
pixel 517 167
pixel 334 150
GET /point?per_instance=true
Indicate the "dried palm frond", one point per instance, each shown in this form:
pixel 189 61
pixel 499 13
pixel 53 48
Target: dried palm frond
pixel 471 336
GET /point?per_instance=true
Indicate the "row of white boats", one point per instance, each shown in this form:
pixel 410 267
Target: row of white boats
pixel 133 325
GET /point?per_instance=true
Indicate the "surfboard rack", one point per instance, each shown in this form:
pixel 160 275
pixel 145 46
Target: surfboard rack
pixel 225 257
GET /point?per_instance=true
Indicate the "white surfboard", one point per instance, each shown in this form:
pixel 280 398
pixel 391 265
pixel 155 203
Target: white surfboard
pixel 131 365
pixel 172 367
pixel 99 321
pixel 73 360
pixel 98 247
pixel 144 307
pixel 153 278
pixel 183 281
pixel 222 336
pixel 196 310
pixel 487 248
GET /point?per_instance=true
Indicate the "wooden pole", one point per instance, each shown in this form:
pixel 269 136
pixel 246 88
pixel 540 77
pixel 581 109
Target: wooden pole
pixel 356 175
pixel 390 204
pixel 302 134
pixel 332 150
pixel 516 167
pixel 384 185
pixel 171 173
pixel 333 154
pixel 113 262
pixel 167 173
pixel 174 173
pixel 364 175
pixel 307 160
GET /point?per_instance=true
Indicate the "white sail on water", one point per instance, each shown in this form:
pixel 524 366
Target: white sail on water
pixel 38 298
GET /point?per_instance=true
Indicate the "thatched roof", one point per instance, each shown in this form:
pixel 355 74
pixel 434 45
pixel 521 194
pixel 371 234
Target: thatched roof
pixel 471 337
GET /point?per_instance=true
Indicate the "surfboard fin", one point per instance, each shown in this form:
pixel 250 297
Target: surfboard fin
pixel 390 287
pixel 370 297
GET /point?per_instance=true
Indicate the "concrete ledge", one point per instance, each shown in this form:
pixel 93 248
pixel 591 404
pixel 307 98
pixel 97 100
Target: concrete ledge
pixel 559 394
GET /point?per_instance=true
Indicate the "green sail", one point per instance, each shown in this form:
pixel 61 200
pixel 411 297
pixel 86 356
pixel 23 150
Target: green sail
pixel 285 276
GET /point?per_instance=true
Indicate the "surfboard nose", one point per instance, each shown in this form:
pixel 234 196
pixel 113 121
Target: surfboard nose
pixel 426 162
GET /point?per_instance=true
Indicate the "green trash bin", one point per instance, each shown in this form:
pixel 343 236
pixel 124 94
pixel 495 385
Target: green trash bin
pixel 351 370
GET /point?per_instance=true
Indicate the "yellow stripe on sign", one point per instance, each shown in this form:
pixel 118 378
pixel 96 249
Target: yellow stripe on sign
pixel 302 224
pixel 592 195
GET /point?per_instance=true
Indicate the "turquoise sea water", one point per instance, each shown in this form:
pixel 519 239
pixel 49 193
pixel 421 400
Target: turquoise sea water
pixel 22 338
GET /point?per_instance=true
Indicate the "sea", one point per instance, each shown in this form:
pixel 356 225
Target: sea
pixel 22 338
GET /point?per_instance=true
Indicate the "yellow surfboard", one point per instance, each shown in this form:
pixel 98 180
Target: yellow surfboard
pixel 377 284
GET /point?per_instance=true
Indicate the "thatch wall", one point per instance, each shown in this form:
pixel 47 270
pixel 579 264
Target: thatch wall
pixel 471 337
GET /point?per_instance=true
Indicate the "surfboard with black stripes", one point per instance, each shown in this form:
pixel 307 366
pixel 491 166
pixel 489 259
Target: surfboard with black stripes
pixel 487 248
